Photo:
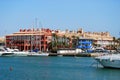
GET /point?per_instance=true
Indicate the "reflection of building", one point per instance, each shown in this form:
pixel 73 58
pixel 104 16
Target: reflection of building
pixel 29 39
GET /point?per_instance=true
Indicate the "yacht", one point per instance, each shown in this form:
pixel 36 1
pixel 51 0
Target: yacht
pixel 110 60
pixel 12 52
pixel 4 52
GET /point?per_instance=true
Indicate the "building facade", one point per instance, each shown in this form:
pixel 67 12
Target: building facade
pixel 99 38
pixel 39 39
pixel 30 39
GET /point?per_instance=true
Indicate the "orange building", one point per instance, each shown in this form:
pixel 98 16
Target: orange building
pixel 29 39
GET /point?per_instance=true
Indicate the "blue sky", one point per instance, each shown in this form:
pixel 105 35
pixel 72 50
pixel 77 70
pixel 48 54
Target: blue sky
pixel 91 15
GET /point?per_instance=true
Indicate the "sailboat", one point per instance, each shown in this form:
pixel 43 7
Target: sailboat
pixel 38 53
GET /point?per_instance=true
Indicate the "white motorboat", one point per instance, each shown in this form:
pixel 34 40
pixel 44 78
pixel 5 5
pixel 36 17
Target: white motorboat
pixel 4 52
pixel 12 52
pixel 38 54
pixel 109 61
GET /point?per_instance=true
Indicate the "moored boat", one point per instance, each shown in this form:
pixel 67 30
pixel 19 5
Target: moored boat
pixel 109 61
pixel 12 52
pixel 5 52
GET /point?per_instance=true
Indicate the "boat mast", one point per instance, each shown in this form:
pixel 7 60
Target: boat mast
pixel 32 32
pixel 40 34
pixel 31 36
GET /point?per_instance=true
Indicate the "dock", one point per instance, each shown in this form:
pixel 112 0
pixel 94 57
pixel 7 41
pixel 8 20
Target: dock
pixel 71 54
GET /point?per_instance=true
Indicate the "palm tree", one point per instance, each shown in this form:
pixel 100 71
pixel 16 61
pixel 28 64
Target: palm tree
pixel 64 40
pixel 77 40
pixel 74 41
pixel 114 40
pixel 118 42
pixel 50 46
pixel 54 42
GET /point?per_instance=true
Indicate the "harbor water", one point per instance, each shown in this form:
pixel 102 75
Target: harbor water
pixel 54 68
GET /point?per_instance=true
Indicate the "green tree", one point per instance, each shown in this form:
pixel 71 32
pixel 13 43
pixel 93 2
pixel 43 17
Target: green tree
pixel 53 45
pixel 74 38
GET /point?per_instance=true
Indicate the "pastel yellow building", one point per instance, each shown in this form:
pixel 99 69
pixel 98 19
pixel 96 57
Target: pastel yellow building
pixel 100 38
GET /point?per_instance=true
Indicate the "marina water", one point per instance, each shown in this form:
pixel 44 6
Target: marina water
pixel 54 68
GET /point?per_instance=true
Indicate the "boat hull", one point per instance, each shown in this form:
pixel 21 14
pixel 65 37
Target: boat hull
pixel 108 63
pixel 38 54
pixel 20 53
pixel 7 54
